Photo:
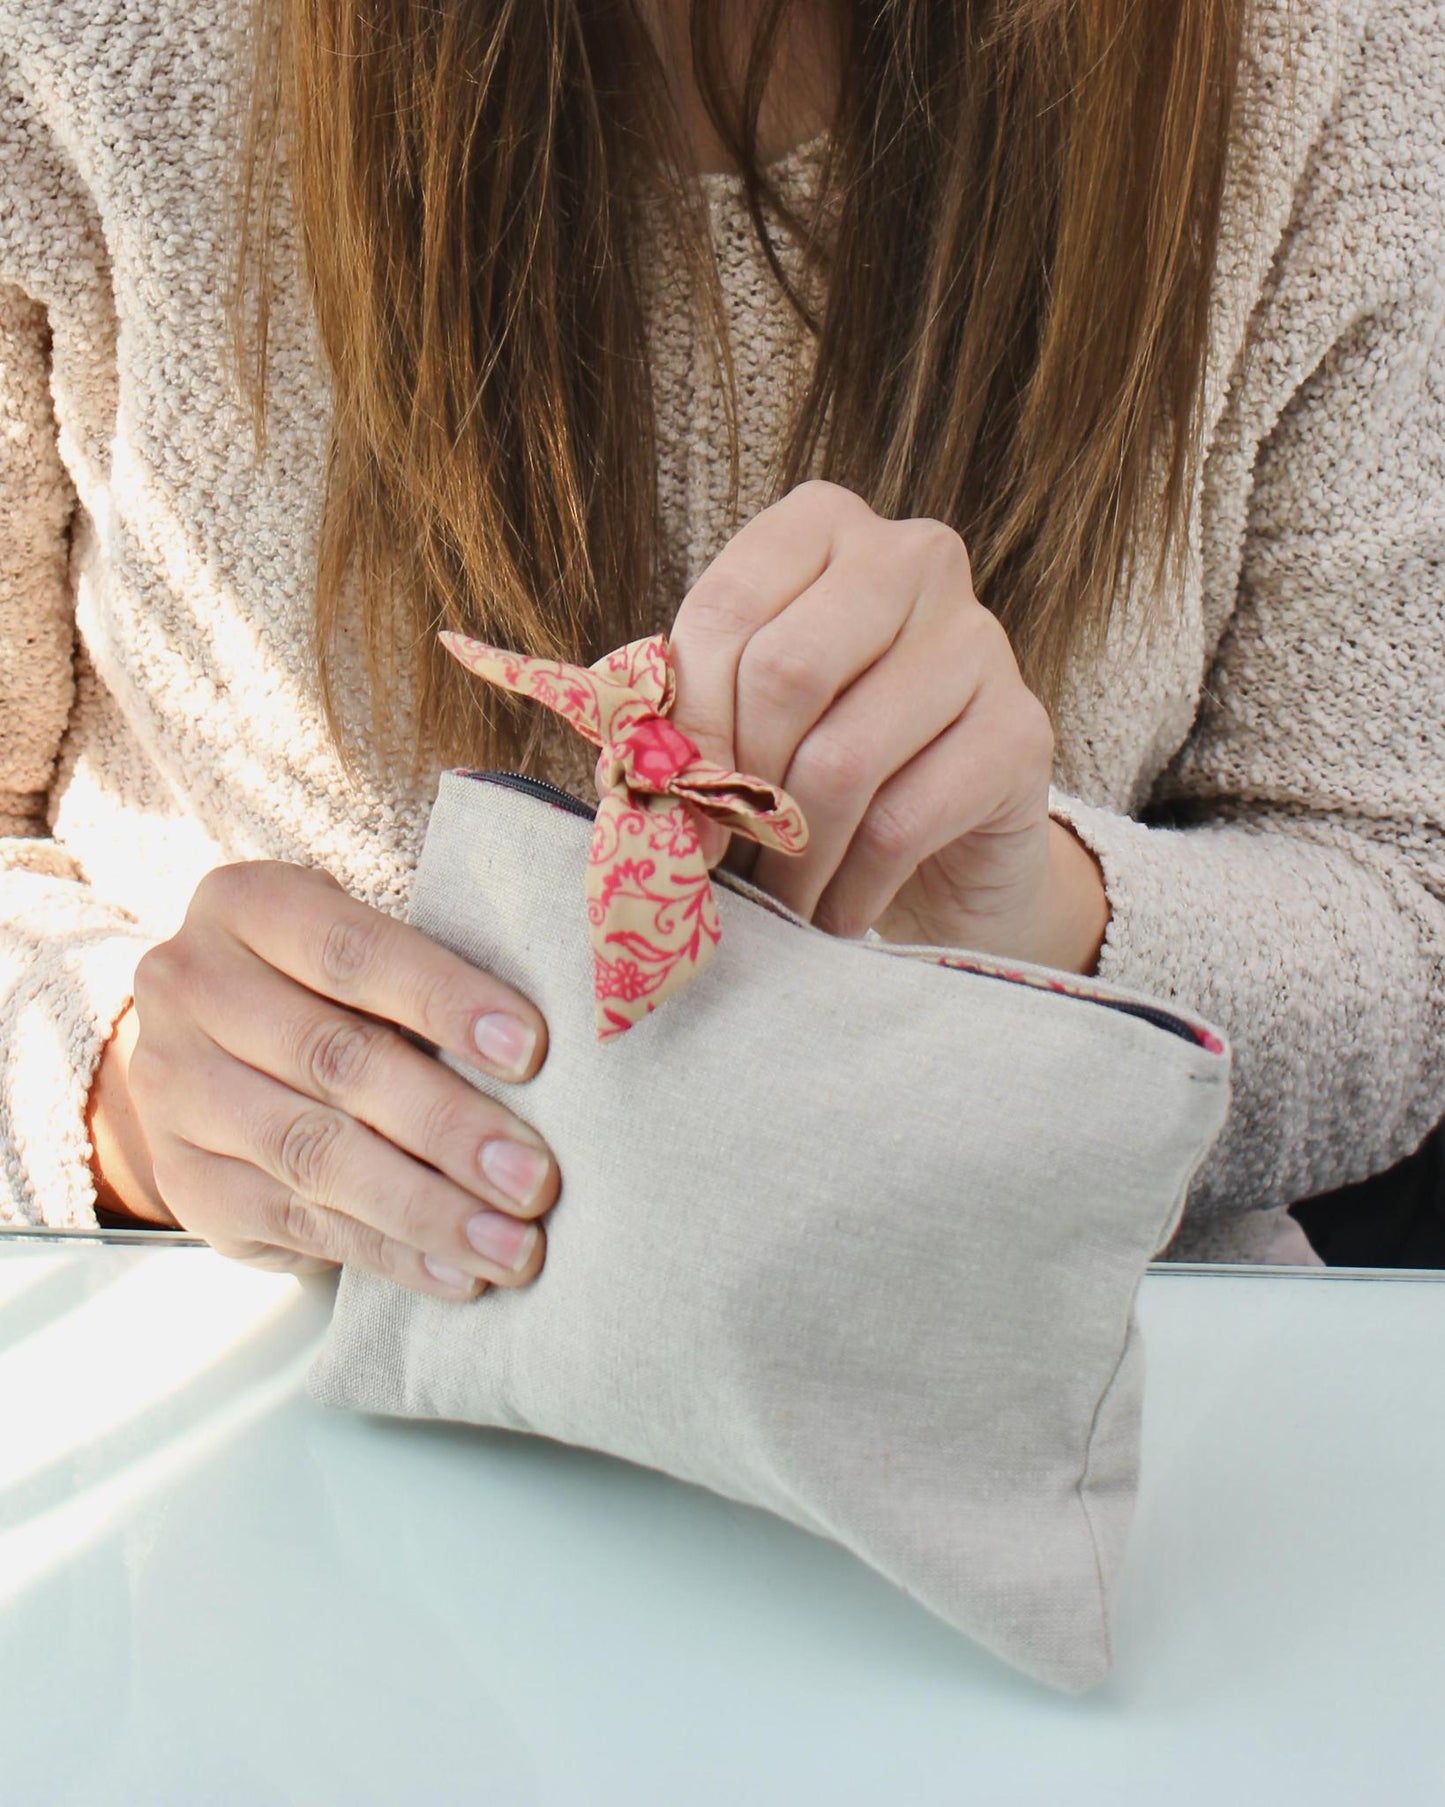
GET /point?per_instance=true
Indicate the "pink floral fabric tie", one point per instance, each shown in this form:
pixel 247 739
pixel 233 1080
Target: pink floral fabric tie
pixel 650 905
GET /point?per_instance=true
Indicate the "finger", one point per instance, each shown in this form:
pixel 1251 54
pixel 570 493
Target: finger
pixel 324 1157
pixel 952 788
pixel 341 948
pixel 765 565
pixel 365 1068
pixel 284 1233
pixel 797 666
pixel 925 682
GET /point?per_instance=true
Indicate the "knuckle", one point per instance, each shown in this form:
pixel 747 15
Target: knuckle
pixel 833 767
pixel 889 835
pixel 306 1150
pixel 337 1052
pixel 980 627
pixel 831 498
pixel 840 920
pixel 438 1003
pixel 778 674
pixel 936 543
pixel 224 890
pixel 156 972
pixel 185 976
pixel 1035 728
pixel 380 1254
pixel 215 887
pixel 447 1123
pixel 725 603
pixel 417 1217
pixel 348 949
pixel 295 1223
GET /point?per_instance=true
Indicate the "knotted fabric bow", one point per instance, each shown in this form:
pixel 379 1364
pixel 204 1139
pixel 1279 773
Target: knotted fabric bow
pixel 650 905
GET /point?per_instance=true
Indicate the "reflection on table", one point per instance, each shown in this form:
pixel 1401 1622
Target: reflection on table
pixel 215 1591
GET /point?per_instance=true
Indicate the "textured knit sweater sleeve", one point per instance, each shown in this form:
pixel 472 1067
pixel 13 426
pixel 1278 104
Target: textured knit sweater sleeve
pixel 1287 877
pixel 66 956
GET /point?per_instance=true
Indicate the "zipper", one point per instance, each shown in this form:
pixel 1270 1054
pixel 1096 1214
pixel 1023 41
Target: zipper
pixel 978 964
pixel 535 787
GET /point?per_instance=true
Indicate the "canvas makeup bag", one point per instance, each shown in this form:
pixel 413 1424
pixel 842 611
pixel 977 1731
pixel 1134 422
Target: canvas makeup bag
pixel 845 1232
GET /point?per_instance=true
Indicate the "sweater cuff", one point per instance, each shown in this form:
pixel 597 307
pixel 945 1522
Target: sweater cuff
pixel 1142 888
pixel 59 1020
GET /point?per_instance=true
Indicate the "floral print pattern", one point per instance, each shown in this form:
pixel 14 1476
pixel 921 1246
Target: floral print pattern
pixel 650 907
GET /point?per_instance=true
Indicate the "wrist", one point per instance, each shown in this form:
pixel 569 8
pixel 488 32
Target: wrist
pixel 120 1162
pixel 1064 928
pixel 1079 903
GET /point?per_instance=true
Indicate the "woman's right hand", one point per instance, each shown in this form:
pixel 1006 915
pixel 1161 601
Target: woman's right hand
pixel 289 1121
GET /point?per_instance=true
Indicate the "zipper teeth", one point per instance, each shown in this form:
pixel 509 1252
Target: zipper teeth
pixel 524 781
pixel 1162 1019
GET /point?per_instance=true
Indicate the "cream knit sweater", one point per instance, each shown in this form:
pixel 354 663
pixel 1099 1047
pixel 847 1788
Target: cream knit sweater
pixel 1265 787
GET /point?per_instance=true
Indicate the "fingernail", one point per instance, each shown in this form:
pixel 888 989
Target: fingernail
pixel 505 1040
pixel 502 1239
pixel 516 1168
pixel 449 1276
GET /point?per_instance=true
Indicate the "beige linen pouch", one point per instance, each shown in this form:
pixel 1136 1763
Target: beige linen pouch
pixel 843 1233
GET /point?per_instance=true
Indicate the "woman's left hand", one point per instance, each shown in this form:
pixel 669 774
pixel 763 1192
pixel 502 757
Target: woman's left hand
pixel 846 658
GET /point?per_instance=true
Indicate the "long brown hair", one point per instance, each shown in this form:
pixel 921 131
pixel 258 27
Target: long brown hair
pixel 1011 336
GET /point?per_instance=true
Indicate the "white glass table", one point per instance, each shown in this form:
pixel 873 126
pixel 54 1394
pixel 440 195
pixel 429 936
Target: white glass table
pixel 215 1591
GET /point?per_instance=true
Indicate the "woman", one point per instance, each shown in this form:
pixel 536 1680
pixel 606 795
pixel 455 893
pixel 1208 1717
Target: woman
pixel 1027 419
